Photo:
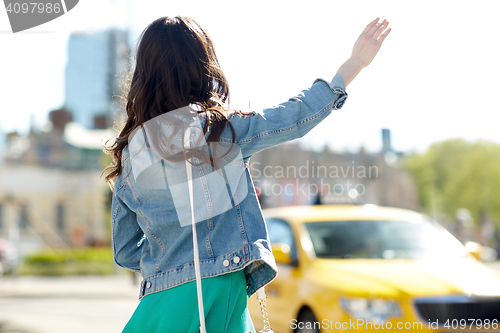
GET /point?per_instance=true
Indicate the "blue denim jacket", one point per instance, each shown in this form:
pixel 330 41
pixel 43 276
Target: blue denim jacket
pixel 148 236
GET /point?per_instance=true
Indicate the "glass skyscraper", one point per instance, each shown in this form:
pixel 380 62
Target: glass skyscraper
pixel 96 64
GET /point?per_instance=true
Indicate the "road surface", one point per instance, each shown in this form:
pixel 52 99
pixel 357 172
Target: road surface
pixel 67 304
pixel 93 304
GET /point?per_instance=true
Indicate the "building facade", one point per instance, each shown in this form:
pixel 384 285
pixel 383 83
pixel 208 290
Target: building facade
pixel 290 175
pixel 51 193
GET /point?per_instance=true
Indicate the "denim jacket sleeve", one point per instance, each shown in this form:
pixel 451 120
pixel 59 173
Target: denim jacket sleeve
pixel 125 232
pixel 290 120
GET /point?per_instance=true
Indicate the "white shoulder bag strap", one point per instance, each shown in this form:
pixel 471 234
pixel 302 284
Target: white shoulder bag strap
pixel 189 171
pixel 261 296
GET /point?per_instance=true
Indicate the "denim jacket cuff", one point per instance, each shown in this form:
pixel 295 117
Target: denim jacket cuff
pixel 337 85
pixel 338 81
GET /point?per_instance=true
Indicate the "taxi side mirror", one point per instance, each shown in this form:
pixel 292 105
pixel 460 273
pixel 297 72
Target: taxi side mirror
pixel 475 249
pixel 282 253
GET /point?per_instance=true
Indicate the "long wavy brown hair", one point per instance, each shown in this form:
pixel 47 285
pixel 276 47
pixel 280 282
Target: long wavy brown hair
pixel 176 66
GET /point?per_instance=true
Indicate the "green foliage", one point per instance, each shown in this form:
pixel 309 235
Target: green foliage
pixel 457 174
pixel 68 268
pixel 79 261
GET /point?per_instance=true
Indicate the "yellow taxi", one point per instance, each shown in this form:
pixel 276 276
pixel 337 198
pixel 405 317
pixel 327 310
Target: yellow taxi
pixel 371 268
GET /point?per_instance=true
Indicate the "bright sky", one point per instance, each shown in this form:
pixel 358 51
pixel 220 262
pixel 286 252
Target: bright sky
pixel 435 78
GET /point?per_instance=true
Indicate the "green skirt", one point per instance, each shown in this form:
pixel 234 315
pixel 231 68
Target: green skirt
pixel 176 309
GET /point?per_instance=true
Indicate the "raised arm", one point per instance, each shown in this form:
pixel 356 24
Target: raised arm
pixel 296 117
pixel 365 49
pixel 289 120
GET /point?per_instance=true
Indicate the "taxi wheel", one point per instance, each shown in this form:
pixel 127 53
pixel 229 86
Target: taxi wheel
pixel 307 322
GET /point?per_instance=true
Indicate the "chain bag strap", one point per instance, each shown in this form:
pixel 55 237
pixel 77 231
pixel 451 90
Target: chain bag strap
pixel 261 297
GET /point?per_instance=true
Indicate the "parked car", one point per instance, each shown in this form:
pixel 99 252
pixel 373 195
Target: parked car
pixel 357 267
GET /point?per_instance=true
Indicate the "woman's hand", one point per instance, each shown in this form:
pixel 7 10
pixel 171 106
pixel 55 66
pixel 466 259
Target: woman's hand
pixel 365 49
pixel 370 41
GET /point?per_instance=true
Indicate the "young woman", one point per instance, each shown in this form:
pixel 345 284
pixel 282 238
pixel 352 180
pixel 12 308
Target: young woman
pixel 177 68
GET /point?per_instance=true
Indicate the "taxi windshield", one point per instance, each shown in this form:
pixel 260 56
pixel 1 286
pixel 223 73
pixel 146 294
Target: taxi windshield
pixel 382 240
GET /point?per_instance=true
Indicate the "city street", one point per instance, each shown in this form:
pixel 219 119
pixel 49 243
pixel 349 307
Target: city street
pixel 71 304
pixel 373 192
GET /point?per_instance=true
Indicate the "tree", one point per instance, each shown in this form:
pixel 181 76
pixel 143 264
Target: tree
pixel 458 174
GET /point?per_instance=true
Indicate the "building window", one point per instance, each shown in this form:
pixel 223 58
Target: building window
pixel 60 223
pixel 23 217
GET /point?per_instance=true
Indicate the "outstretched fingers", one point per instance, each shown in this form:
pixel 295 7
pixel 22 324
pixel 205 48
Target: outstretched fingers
pixel 370 25
pixel 382 37
pixel 380 29
pixel 374 28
